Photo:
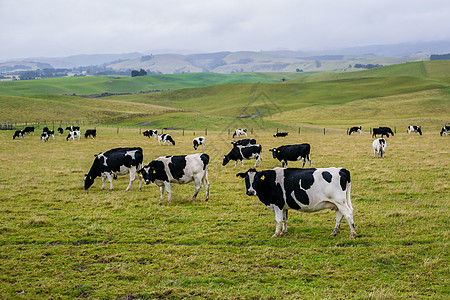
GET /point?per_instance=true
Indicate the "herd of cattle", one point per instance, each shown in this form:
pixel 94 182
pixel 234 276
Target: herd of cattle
pixel 74 132
pixel 280 189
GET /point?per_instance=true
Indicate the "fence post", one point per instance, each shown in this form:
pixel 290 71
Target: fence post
pixel 117 130
pixel 324 131
pixel 347 131
pixel 206 131
pixel 183 131
pixel 277 129
pixel 299 130
pixel 395 130
pixel 252 130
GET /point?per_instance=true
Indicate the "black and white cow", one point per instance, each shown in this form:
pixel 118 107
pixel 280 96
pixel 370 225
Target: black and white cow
pixel 305 190
pixel 29 129
pixel 90 133
pixel 243 152
pixel 73 134
pixel 60 131
pixel 73 128
pixel 199 141
pixel 445 130
pixel 379 147
pixel 44 136
pixel 292 153
pixel 239 132
pixel 178 169
pixel 415 129
pixel 280 134
pixel 383 131
pixel 165 138
pixel 244 142
pixel 355 129
pixel 119 161
pixel 150 132
pixel 50 133
pixel 19 133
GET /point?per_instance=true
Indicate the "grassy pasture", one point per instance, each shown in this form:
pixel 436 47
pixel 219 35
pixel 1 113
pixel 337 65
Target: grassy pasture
pixel 59 241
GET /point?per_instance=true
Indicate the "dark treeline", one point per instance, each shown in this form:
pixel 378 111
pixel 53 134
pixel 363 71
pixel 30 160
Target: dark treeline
pixel 440 56
pixel 368 66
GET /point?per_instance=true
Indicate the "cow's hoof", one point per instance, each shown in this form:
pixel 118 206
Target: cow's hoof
pixel 275 235
pixel 352 235
pixel 334 233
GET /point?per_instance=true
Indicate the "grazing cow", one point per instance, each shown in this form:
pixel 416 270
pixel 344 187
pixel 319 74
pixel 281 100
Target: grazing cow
pixel 18 133
pixel 306 190
pixel 239 132
pixel 165 138
pixel 355 129
pixel 150 132
pixel 244 142
pixel 383 131
pixel 243 152
pixel 29 129
pixel 44 136
pixel 119 161
pixel 60 131
pixel 199 141
pixel 280 134
pixel 415 129
pixel 178 169
pixel 90 132
pixel 73 128
pixel 379 147
pixel 50 133
pixel 74 134
pixel 292 153
pixel 445 130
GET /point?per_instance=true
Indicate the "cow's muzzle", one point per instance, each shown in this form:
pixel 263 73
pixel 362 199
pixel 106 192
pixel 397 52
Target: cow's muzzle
pixel 251 192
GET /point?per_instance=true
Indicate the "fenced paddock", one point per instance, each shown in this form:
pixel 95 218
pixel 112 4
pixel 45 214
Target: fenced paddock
pixel 58 240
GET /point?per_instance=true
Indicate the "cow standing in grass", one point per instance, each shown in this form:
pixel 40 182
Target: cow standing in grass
pixel 379 147
pixel 199 141
pixel 292 153
pixel 243 152
pixel 239 132
pixel 355 129
pixel 415 129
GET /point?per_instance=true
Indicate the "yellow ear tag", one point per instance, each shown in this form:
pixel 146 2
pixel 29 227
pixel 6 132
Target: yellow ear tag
pixel 154 171
pixel 278 151
pixel 240 178
pixel 262 177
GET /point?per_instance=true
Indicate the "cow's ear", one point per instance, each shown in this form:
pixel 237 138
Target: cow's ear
pixel 240 176
pixel 95 155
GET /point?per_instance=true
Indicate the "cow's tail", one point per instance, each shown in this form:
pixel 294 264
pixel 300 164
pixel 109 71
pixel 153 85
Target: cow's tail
pixel 347 196
pixel 346 182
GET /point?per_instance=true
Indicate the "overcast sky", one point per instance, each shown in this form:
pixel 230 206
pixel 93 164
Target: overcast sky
pixel 57 28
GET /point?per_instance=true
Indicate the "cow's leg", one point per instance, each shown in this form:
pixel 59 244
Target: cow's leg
pixel 235 163
pixel 168 189
pixel 347 212
pixel 206 184
pixel 161 188
pixel 108 175
pixel 339 216
pixel 140 176
pixel 285 217
pixel 132 177
pixel 198 185
pixel 278 218
pixel 303 161
pixel 103 181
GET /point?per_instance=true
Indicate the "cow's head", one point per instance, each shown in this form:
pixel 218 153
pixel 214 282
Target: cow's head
pixel 195 144
pixel 88 181
pixel 226 159
pixel 148 173
pixel 419 130
pixel 274 152
pixel 253 179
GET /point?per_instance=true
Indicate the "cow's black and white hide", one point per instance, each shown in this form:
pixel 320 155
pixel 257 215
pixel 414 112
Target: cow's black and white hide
pixel 50 133
pixel 90 133
pixel 379 147
pixel 44 136
pixel 119 161
pixel 150 132
pixel 73 134
pixel 165 138
pixel 60 131
pixel 243 152
pixel 239 132
pixel 280 134
pixel 199 141
pixel 355 129
pixel 29 129
pixel 445 130
pixel 73 128
pixel 416 129
pixel 244 142
pixel 305 190
pixel 179 169
pixel 382 131
pixel 19 133
pixel 292 153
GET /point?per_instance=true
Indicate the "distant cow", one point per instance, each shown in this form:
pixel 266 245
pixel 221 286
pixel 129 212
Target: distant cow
pixel 243 152
pixel 239 132
pixel 178 169
pixel 60 131
pixel 415 129
pixel 305 190
pixel 445 130
pixel 379 147
pixel 199 141
pixel 244 142
pixel 150 132
pixel 73 134
pixel 382 131
pixel 90 133
pixel 119 161
pixel 292 153
pixel 355 129
pixel 44 136
pixel 280 134
pixel 50 133
pixel 29 129
pixel 18 133
pixel 165 138
pixel 73 128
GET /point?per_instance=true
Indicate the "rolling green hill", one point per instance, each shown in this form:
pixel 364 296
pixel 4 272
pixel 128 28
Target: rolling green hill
pixel 414 92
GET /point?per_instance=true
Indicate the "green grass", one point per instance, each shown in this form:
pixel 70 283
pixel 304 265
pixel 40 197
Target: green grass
pixel 59 241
